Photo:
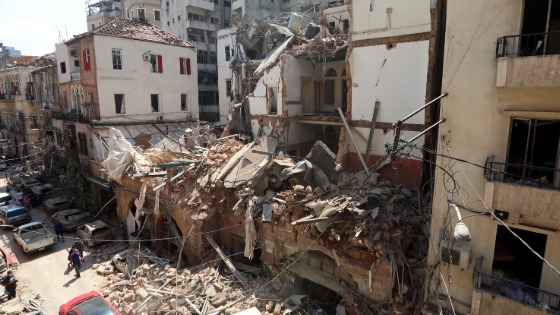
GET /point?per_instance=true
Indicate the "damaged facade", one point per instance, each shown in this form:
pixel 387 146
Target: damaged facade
pixel 28 91
pixel 502 117
pixel 126 74
pixel 288 75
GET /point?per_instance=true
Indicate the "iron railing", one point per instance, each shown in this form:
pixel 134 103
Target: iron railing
pixel 528 45
pixel 529 175
pixel 75 117
pixel 517 291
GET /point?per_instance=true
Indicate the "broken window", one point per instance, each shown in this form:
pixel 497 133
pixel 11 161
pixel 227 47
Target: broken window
pixel 272 100
pixel 92 26
pixel 228 87
pixel 157 15
pixel 156 64
pixel 142 15
pixel 328 88
pixel 82 143
pixel 119 104
pixel 345 26
pixel 541 23
pixel 227 50
pixel 184 66
pixel 515 262
pixel 155 102
pixel 533 151
pixel 117 59
pixel 63 67
pixel 77 63
pixel 184 103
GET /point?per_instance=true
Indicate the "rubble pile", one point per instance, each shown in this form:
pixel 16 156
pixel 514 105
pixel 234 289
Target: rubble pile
pixel 157 289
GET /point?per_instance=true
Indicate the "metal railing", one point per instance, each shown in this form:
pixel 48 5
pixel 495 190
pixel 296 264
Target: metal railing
pixel 517 291
pixel 543 177
pixel 528 45
pixel 75 117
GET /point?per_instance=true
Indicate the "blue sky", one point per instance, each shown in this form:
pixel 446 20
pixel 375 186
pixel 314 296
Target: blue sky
pixel 33 26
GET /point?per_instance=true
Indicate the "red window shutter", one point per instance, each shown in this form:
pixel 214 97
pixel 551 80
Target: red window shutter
pixel 181 66
pixel 188 66
pixel 160 63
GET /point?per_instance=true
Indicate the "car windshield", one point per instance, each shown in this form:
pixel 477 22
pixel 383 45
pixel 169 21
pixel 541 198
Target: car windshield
pixel 93 306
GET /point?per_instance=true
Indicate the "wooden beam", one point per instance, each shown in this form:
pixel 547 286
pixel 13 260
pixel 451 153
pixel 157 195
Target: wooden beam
pixel 228 262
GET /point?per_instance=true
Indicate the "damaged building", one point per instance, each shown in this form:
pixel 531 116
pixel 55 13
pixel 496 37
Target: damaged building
pixel 301 225
pixel 500 145
pixel 129 75
pixel 28 91
pixel 303 76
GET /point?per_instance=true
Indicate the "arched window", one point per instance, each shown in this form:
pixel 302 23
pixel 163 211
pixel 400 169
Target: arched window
pixel 331 73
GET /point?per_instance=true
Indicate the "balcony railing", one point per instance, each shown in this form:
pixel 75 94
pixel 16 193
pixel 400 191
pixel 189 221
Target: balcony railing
pixel 543 177
pixel 517 291
pixel 523 45
pixel 75 117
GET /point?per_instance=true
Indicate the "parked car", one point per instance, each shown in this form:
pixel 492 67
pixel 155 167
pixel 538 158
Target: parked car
pixel 53 205
pixel 14 183
pixel 71 219
pixel 92 303
pixel 40 192
pixel 6 198
pixel 29 182
pixel 94 233
pixel 33 237
pixel 14 215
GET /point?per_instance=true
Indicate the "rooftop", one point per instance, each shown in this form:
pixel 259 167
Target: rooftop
pixel 136 30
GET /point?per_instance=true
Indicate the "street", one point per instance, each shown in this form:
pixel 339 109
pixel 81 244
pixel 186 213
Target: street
pixel 45 274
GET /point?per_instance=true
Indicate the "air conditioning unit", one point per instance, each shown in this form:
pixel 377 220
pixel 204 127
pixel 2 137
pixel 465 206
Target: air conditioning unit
pixel 73 53
pixel 455 253
pixel 146 57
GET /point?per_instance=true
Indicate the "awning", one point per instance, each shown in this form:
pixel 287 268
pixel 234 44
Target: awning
pixel 99 182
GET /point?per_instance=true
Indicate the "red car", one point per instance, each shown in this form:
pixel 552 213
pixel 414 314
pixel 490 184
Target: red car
pixel 91 303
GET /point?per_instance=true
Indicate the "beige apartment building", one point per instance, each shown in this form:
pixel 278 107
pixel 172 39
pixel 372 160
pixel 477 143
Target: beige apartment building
pixel 498 161
pixel 100 12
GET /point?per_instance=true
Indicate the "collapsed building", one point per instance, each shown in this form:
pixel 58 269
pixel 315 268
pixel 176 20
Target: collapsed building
pixel 352 240
pixel 342 74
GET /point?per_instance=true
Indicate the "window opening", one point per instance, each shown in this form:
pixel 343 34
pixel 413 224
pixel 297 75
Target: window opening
pixel 155 102
pixel 119 104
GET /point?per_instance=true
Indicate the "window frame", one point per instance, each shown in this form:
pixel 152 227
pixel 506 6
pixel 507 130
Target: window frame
pixel 157 15
pixel 116 57
pixel 184 102
pixel 122 104
pixel 157 103
pixel 156 63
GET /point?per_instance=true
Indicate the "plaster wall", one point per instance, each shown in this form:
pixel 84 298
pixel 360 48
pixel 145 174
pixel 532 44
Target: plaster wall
pixel 396 77
pixel 385 18
pixel 62 55
pixel 137 82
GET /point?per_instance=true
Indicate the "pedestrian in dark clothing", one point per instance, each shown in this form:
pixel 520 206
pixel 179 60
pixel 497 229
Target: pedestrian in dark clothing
pixel 20 196
pixel 10 283
pixel 58 227
pixel 76 261
pixel 80 246
pixel 124 231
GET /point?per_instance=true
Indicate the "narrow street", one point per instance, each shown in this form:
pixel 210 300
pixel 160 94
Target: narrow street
pixel 45 274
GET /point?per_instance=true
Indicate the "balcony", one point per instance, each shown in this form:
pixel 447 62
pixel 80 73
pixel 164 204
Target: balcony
pixel 527 60
pixel 201 25
pixel 523 194
pixel 75 76
pixel 203 4
pixel 204 46
pixel 498 294
pixel 74 117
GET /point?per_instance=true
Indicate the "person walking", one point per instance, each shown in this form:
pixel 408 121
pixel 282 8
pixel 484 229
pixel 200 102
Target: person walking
pixel 10 283
pixel 58 227
pixel 20 196
pixel 76 261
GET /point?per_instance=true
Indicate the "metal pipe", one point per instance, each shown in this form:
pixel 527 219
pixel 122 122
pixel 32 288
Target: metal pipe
pixel 423 132
pixel 353 141
pixel 421 108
